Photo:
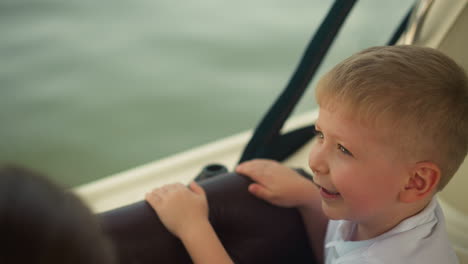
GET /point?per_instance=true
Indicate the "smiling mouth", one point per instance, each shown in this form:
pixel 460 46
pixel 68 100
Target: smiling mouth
pixel 329 195
pixel 328 192
pixel 325 193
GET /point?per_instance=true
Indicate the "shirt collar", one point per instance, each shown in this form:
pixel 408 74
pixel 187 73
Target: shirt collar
pixel 345 228
pixel 342 244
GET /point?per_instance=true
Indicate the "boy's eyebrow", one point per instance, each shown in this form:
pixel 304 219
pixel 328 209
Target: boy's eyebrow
pixel 317 127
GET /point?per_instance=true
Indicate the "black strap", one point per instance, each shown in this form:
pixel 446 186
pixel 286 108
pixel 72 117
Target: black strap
pixel 267 135
pixel 401 28
pixel 267 141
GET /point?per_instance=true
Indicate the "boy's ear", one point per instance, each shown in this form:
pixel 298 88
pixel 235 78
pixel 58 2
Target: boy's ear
pixel 422 181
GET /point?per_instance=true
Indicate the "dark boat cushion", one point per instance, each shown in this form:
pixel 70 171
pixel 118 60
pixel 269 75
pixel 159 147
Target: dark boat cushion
pixel 251 230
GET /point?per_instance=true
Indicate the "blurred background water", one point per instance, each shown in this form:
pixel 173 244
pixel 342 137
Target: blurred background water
pixel 91 88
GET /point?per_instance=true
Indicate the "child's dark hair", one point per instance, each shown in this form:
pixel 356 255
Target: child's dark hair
pixel 42 223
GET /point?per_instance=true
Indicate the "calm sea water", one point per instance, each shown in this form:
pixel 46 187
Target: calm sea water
pixel 91 88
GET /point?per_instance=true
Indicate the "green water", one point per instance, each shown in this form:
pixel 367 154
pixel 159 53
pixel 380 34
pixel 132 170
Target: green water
pixel 91 88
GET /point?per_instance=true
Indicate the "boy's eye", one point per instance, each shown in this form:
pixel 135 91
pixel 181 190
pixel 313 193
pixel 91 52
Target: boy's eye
pixel 319 134
pixel 344 150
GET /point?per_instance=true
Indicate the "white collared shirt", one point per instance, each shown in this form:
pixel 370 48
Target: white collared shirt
pixel 421 238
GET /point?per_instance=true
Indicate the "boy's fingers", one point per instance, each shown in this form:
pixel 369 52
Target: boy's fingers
pixel 259 176
pixel 173 187
pixel 164 189
pixel 250 165
pixel 256 177
pixel 196 188
pixel 154 195
pixel 253 171
pixel 260 191
pixel 152 199
pixel 246 167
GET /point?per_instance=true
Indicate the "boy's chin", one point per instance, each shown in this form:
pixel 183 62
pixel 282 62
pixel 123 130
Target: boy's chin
pixel 333 212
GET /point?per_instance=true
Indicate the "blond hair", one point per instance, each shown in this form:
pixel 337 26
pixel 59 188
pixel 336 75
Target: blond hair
pixel 418 93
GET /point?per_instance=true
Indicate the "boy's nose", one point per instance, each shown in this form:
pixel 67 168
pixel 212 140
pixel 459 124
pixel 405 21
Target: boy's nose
pixel 317 162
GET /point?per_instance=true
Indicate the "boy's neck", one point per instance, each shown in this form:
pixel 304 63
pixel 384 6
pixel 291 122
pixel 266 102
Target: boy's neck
pixel 378 226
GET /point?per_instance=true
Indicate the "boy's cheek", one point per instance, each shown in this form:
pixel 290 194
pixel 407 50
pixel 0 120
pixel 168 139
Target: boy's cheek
pixel 366 200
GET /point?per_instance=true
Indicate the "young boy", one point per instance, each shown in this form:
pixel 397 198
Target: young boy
pixel 391 132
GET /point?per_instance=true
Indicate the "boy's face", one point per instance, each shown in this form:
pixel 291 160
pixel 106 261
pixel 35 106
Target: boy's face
pixel 359 174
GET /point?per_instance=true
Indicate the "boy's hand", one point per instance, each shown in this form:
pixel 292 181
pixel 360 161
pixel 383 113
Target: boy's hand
pixel 277 184
pixel 181 209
